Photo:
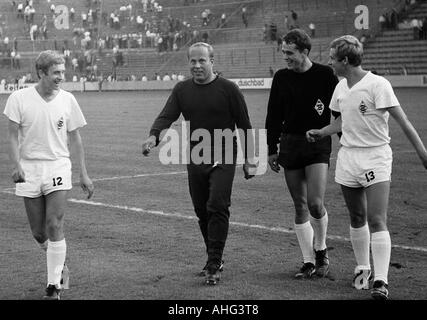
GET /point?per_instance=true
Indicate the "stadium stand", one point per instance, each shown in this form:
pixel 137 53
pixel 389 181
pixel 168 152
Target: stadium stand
pixel 240 50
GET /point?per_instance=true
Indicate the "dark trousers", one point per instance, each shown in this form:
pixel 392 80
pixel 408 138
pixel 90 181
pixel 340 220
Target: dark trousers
pixel 210 190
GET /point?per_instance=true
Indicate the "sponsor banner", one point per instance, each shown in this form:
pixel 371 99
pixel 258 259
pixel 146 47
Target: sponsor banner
pixel 10 87
pixel 253 83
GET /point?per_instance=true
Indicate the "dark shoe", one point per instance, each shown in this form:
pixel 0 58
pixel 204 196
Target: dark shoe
pixel 379 290
pixel 307 270
pixel 213 274
pixel 203 273
pixel 52 292
pixel 322 262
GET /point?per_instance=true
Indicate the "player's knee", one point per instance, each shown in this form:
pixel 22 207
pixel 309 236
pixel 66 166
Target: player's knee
pixel 39 236
pixel 377 224
pixel 316 209
pixel 54 228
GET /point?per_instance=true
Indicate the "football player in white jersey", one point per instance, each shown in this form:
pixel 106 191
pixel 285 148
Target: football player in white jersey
pixel 364 161
pixel 42 120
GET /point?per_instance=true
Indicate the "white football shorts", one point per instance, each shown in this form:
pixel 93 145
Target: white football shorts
pixel 362 167
pixel 43 177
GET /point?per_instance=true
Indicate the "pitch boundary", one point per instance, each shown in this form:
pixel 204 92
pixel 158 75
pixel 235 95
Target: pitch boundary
pixel 232 223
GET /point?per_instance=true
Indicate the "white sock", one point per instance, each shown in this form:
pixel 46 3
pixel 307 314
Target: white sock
pixel 42 245
pixel 320 227
pixel 360 241
pixel 381 252
pixel 305 239
pixel 55 255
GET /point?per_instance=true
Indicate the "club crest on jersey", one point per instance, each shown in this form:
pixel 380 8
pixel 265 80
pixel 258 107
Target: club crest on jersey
pixel 363 108
pixel 319 107
pixel 60 123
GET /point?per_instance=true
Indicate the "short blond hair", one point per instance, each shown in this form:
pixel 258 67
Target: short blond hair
pixel 202 44
pixel 348 46
pixel 46 59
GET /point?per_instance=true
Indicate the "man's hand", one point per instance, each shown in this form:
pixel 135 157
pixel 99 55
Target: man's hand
pixel 247 169
pixel 272 161
pixel 148 144
pixel 87 186
pixel 18 175
pixel 314 135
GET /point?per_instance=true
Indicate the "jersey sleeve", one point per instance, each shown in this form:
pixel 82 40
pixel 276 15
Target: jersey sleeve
pixel 334 105
pixel 12 109
pixel 275 116
pixel 239 108
pixel 170 113
pixel 384 95
pixel 76 118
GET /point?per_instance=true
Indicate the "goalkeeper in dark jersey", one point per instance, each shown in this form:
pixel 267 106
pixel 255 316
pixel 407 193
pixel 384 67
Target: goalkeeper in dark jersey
pixel 299 100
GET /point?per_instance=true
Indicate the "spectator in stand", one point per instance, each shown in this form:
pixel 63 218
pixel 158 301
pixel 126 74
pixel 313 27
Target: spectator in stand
pixel 144 78
pixel 265 36
pixel 27 15
pixel 43 31
pixel 312 28
pixel 205 36
pixel 223 21
pixel 33 32
pixel 84 19
pixel 382 21
pixel 166 77
pixel 415 28
pixel 5 45
pixel 424 29
pixel 245 17
pixel 180 77
pixel 174 76
pixel 279 43
pixel 204 18
pixel 286 24
pixel 72 14
pixel 294 17
pixel 273 32
pixel 32 13
pixel 420 29
pixel 20 10
pixel 394 19
pixel 139 23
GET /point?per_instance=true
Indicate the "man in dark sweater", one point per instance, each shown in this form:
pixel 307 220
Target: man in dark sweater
pixel 210 104
pixel 299 99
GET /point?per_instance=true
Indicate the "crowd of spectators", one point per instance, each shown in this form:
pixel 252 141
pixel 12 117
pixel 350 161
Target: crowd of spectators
pixel 94 32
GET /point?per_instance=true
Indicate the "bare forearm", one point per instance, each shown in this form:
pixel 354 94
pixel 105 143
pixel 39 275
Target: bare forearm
pixel 332 128
pixel 77 147
pixel 13 151
pixel 415 140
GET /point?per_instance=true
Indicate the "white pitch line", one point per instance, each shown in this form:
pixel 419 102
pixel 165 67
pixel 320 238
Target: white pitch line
pixel 140 175
pixel 234 223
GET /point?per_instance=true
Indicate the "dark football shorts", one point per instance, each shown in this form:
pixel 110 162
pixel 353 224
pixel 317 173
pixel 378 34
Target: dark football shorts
pixel 297 153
